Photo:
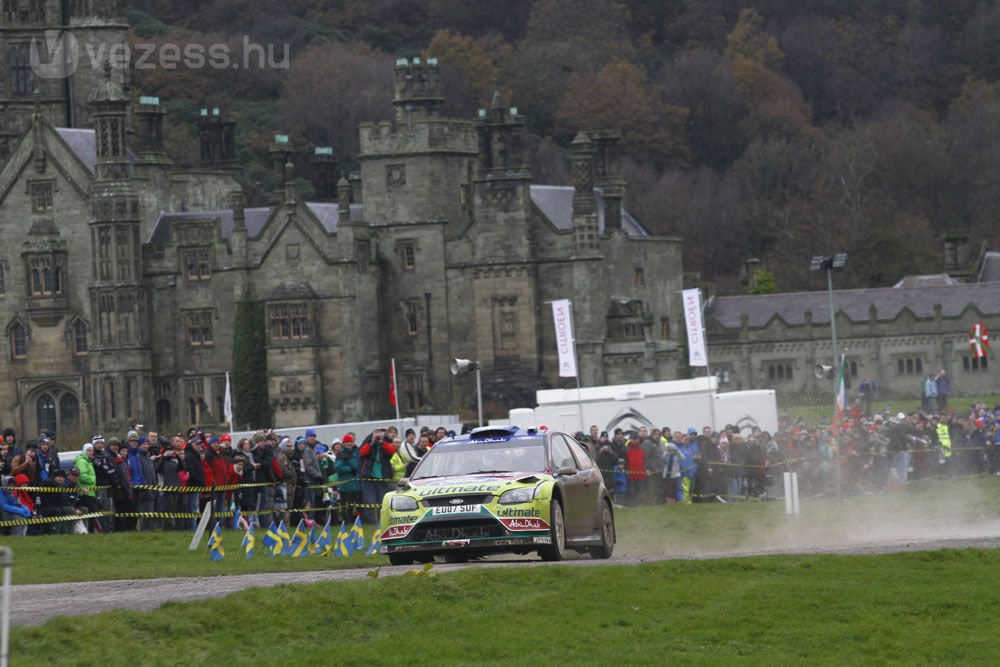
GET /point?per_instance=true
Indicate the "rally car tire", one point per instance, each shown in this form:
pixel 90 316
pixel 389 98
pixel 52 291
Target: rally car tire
pixel 400 559
pixel 607 547
pixel 556 550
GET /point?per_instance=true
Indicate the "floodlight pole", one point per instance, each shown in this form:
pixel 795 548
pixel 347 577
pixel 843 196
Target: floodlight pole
pixel 479 394
pixel 830 263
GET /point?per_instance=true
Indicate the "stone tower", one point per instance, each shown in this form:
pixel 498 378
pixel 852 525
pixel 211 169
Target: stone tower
pixel 120 359
pixel 47 50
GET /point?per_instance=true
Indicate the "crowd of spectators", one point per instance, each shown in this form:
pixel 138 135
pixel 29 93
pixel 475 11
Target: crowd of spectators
pixel 152 482
pixel 876 452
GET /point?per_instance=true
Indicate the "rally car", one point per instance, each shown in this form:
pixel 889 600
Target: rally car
pixel 500 490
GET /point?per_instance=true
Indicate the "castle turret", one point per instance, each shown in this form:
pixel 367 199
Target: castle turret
pixel 418 90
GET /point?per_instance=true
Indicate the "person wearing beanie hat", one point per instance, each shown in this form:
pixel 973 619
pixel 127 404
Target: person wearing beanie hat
pixel 132 435
pixel 349 438
pixel 346 471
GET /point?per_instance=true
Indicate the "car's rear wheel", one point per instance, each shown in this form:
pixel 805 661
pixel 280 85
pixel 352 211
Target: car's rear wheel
pixel 607 547
pixel 400 559
pixel 556 550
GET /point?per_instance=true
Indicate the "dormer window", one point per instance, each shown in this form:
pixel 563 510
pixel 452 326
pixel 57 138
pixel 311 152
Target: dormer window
pixel 197 266
pixel 41 196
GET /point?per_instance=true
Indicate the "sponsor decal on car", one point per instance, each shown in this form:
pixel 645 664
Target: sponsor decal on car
pixel 524 524
pixel 525 512
pixel 396 532
pixel 425 492
pixel 408 519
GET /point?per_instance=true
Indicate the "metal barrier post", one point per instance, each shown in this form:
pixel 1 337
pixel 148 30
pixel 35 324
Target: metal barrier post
pixel 7 561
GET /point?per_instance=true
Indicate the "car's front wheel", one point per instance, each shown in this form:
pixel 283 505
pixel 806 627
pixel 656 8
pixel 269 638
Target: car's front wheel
pixel 607 547
pixel 556 550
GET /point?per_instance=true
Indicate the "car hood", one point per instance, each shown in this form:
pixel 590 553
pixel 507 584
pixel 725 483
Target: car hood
pixel 480 483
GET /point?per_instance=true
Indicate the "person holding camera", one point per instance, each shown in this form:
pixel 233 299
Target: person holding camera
pixel 375 456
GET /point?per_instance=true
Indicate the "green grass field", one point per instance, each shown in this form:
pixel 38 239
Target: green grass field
pixel 924 607
pixel 930 608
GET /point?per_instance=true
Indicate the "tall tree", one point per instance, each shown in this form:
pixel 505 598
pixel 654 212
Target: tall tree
pixel 250 396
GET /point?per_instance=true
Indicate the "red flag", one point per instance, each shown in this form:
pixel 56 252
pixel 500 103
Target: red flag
pixel 392 383
pixel 979 340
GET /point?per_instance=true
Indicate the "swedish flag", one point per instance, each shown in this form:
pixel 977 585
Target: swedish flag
pixel 215 543
pixel 272 541
pixel 313 547
pixel 248 543
pixel 345 545
pixel 284 537
pixel 376 544
pixel 358 534
pixel 300 541
pixel 324 542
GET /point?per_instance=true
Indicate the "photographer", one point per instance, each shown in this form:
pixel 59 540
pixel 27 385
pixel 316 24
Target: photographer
pixel 169 466
pixel 376 472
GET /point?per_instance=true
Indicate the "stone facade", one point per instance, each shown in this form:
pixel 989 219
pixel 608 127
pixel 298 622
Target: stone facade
pixel 897 335
pixel 439 247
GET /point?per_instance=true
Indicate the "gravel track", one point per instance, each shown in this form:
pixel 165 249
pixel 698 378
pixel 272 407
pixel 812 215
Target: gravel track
pixel 37 603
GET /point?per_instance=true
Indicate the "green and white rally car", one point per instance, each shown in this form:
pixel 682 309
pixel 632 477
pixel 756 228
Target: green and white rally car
pixel 499 489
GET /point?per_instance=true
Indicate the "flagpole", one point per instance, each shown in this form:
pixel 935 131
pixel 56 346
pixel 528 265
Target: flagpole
pixel 576 363
pixel 395 395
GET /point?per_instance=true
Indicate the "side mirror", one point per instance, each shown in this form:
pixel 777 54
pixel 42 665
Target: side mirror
pixel 566 471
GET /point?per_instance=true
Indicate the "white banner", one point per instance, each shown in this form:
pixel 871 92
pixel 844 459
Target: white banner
pixel 562 313
pixel 697 354
pixel 227 404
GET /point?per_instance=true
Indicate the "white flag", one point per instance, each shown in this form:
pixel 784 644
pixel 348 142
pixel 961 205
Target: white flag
pixel 227 407
pixel 562 313
pixel 697 354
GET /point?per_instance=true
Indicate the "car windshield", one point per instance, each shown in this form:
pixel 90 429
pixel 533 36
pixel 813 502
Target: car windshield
pixel 468 458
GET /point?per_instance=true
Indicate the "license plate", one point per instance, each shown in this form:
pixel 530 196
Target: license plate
pixel 449 510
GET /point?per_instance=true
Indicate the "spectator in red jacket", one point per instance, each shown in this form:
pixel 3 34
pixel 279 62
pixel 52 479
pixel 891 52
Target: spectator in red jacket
pixel 636 466
pixel 217 473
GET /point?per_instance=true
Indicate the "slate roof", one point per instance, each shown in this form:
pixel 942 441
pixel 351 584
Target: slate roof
pixel 82 143
pixel 889 301
pixel 255 219
pixel 989 272
pixel 556 203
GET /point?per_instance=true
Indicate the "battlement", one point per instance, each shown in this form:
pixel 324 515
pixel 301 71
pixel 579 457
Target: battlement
pixel 431 135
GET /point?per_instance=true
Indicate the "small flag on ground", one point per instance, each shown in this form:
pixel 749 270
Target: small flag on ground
pixel 376 544
pixel 358 535
pixel 272 542
pixel 313 547
pixel 283 536
pixel 345 545
pixel 236 518
pixel 300 541
pixel 324 542
pixel 248 543
pixel 215 543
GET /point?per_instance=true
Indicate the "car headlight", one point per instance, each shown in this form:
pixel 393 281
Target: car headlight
pixel 516 496
pixel 403 504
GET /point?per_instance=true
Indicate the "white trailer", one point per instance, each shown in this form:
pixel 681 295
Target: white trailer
pixel 678 404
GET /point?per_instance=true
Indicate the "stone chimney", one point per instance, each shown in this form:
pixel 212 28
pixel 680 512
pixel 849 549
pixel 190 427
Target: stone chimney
pixel 585 230
pixel 218 140
pixel 280 152
pixel 607 176
pixel 149 147
pixel 324 164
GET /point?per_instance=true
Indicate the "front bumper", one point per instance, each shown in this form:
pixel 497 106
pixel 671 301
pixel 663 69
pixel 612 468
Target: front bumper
pixel 488 528
pixel 471 543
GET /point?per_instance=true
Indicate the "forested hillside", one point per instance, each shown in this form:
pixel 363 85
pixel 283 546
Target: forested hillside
pixel 775 129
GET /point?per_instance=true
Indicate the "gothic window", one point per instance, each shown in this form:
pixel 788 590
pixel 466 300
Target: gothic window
pixel 45 411
pixel 413 391
pixel 45 275
pixel 69 413
pixel 18 341
pixel 194 392
pixel 411 317
pixel 408 255
pixel 104 254
pixel 779 372
pixel 199 328
pixel 631 330
pixel 665 328
pixel 196 265
pixel 41 197
pixel 290 321
pixel 163 413
pixel 79 337
pixel 107 318
pixel 639 277
pixel 852 368
pixel 909 366
pixel 109 404
pixel 123 250
pixel 22 79
pixel 129 398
